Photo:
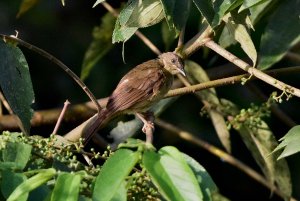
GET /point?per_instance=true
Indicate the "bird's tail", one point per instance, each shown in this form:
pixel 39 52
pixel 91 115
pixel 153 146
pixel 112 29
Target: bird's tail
pixel 88 128
pixel 96 123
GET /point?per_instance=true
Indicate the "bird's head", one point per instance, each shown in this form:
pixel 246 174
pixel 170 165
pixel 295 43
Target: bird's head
pixel 172 63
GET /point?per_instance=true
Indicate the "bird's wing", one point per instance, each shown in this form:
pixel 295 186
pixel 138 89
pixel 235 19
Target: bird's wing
pixel 138 85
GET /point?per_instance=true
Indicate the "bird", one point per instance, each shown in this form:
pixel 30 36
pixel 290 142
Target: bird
pixel 138 90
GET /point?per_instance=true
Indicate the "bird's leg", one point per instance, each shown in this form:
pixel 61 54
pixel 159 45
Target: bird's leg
pixel 148 128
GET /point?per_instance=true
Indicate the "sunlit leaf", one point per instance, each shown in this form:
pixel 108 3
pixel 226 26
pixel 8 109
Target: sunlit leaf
pixel 259 10
pixel 121 32
pixel 281 33
pixel 66 187
pixel 196 74
pixel 207 185
pixel 146 13
pixel 290 143
pixel 101 44
pixel 250 3
pixel 113 172
pixel 236 25
pixel 32 183
pixel 172 175
pixel 16 83
pixel 25 6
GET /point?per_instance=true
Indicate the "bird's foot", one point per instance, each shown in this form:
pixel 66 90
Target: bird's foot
pixel 148 128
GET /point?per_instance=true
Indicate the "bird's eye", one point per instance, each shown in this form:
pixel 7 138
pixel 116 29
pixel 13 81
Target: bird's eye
pixel 173 61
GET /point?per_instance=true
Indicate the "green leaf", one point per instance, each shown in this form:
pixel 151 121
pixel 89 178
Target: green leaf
pixel 207 185
pixel 250 3
pixel 146 13
pixel 196 74
pixel 168 35
pixel 172 175
pixel 101 44
pixel 290 143
pixel 206 9
pixel 121 194
pixel 181 13
pixel 236 25
pixel 221 8
pixel 25 6
pixel 259 10
pixel 97 2
pixel 15 156
pixel 9 181
pixel 168 8
pixel 66 187
pixel 113 174
pixel 16 83
pixel 121 32
pixel 32 183
pixel 281 33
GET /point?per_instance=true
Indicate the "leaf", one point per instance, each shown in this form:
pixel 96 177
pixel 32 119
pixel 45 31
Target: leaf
pixel 9 181
pixel 207 185
pixel 172 175
pixel 206 9
pixel 250 3
pixel 121 32
pixel 181 13
pixel 15 156
pixel 281 33
pixel 32 183
pixel 66 187
pixel 25 6
pixel 16 83
pixel 168 8
pixel 260 10
pixel 290 143
pixel 101 44
pixel 113 174
pixel 221 8
pixel 97 2
pixel 235 23
pixel 168 35
pixel 146 13
pixel 121 194
pixel 196 74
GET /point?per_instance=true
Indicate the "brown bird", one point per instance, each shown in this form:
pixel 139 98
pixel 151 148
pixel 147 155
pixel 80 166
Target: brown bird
pixel 139 89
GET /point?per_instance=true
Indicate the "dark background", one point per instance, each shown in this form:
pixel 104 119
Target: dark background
pixel 65 32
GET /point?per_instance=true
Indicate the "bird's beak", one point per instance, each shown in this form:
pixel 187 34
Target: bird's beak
pixel 181 71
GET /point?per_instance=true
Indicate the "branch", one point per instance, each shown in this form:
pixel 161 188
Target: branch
pixel 251 70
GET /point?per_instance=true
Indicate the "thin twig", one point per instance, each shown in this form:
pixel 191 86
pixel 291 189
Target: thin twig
pixel 57 62
pixel 5 103
pixel 251 70
pixel 61 116
pixel 219 153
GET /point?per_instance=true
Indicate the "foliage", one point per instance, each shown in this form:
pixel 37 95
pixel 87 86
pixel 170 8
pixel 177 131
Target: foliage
pixel 262 31
pixel 30 164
